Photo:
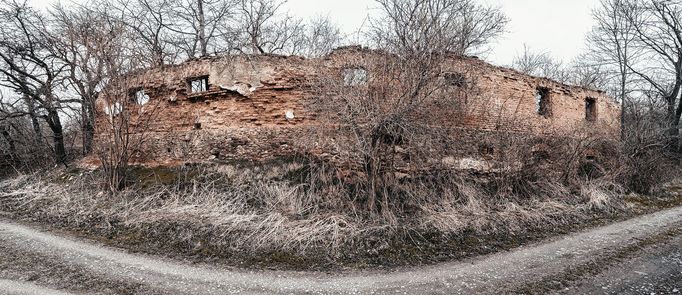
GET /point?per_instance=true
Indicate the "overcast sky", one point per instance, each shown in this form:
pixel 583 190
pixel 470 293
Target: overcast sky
pixel 556 26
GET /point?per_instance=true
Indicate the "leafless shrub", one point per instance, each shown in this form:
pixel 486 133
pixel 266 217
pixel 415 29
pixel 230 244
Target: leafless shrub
pixel 313 205
pixel 123 130
pixel 385 107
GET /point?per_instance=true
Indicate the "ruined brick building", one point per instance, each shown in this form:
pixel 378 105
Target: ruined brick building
pixel 256 107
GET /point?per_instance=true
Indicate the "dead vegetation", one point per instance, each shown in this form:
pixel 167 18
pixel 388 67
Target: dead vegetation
pixel 299 213
pixel 395 191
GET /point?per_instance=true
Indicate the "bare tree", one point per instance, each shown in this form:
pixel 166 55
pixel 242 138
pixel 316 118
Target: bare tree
pixel 584 72
pixel 29 68
pixel 148 22
pixel 124 114
pixel 320 37
pixel 6 132
pixel 656 47
pixel 265 29
pixel 200 26
pixel 610 46
pixel 540 64
pixel 84 40
pixel 476 26
pixel 124 122
pixel 386 104
pixel 466 27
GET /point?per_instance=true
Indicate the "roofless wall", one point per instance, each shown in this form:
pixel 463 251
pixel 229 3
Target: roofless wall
pixel 259 107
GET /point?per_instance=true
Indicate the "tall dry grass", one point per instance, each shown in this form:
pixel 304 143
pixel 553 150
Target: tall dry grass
pixel 255 209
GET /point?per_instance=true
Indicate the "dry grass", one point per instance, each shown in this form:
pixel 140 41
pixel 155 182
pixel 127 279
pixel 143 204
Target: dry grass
pixel 257 216
pixel 602 196
pixel 253 210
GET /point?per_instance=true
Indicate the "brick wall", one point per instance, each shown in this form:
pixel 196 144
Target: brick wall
pixel 258 107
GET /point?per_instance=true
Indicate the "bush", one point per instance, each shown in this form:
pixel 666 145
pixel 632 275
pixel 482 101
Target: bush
pixel 312 209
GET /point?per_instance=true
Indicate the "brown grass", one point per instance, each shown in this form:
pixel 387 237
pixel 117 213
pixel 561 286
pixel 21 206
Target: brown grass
pixel 253 210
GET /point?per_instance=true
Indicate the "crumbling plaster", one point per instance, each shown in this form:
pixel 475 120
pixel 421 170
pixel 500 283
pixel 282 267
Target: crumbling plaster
pixel 257 107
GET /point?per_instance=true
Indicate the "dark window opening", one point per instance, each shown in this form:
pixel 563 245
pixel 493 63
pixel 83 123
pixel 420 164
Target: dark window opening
pixel 543 102
pixel 590 109
pixel 197 85
pixel 455 79
pixel 354 76
pixel 138 96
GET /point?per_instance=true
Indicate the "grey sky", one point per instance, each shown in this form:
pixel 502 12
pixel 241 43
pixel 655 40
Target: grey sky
pixel 556 26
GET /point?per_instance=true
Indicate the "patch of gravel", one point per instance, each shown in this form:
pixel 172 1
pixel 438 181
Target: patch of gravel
pixel 32 268
pixel 498 273
pixel 656 269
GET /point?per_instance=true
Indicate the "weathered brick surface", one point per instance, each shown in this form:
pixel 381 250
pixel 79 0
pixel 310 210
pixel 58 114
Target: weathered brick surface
pixel 243 113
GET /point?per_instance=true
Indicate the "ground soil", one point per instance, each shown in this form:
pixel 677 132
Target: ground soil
pixel 422 248
pixel 656 269
pixel 566 264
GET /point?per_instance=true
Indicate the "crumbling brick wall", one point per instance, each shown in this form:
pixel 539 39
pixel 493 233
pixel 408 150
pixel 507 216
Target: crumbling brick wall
pixel 257 107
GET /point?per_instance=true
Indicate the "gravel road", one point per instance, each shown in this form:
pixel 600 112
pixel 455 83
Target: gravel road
pixel 37 260
pixel 655 270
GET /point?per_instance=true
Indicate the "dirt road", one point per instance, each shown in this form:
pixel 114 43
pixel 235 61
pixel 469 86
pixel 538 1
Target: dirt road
pixel 655 270
pixel 34 259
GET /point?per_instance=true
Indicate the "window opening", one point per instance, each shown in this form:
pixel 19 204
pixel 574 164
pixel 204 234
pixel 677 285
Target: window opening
pixel 542 102
pixel 590 109
pixel 140 97
pixel 197 85
pixel 354 76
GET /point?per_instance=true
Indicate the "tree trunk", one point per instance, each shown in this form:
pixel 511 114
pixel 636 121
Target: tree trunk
pixel 202 28
pixel 30 107
pixel 623 104
pixel 673 114
pixel 10 141
pixel 58 136
pixel 370 172
pixel 675 128
pixel 88 135
pixel 88 125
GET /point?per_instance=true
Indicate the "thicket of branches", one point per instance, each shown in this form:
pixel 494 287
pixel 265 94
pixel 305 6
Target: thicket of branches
pixel 635 53
pixel 56 62
pixel 391 96
pixel 385 111
pixel 639 44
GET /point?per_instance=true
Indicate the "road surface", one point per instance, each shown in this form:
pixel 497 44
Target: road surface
pixel 638 256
